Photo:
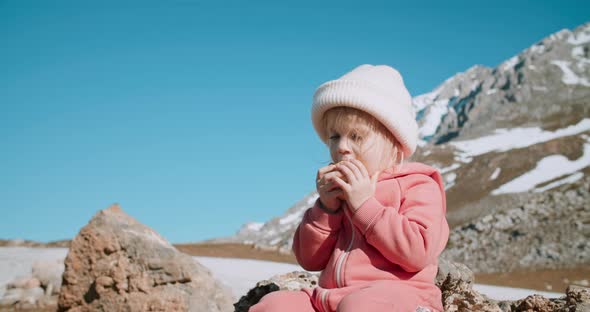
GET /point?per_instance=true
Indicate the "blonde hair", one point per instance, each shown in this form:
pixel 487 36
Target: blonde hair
pixel 343 119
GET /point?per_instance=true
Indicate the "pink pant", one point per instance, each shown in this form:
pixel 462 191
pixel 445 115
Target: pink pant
pixel 380 296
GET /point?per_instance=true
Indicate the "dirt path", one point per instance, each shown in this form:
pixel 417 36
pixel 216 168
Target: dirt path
pixel 234 251
pixel 547 280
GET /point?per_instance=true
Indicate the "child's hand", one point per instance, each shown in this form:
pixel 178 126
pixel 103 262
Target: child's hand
pixel 330 193
pixel 360 186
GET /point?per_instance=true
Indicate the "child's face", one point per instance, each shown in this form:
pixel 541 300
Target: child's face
pixel 356 141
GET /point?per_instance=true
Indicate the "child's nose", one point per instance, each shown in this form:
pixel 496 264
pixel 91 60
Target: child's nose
pixel 344 146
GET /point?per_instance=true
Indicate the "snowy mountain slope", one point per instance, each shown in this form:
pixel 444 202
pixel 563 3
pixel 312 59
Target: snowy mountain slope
pixel 502 138
pixel 523 90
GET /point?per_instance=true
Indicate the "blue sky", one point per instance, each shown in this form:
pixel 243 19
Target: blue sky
pixel 194 116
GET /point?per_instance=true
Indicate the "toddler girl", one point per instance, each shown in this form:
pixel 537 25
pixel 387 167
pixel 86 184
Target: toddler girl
pixel 379 223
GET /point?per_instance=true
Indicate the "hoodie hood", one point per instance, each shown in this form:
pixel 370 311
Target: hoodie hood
pixel 411 168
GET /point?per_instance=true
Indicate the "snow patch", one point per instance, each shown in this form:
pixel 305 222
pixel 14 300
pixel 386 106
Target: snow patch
pixel 254 226
pixel 506 139
pixel 537 48
pixel 291 217
pixel 509 63
pixel 569 77
pixel 577 52
pixel 275 241
pixel 422 101
pixel 491 91
pixel 569 179
pixel 449 168
pixel 434 117
pixel 270 233
pixel 547 169
pixel 504 293
pixel 560 34
pixel 311 200
pixel 580 38
pixel 450 180
pixel 240 275
pixel 495 174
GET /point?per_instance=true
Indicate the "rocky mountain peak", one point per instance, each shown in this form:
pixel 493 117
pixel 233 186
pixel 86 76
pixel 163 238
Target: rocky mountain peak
pixel 507 140
pixel 526 89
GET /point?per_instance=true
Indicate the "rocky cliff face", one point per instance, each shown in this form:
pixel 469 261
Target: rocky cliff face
pixel 509 141
pixel 534 88
pixel 548 230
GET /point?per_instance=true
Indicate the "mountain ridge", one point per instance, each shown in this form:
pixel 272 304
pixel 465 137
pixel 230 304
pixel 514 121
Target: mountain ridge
pixel 499 136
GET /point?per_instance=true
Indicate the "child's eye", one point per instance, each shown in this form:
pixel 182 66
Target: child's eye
pixel 334 137
pixel 355 137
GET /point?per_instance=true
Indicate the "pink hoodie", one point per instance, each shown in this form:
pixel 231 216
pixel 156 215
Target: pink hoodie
pixel 397 236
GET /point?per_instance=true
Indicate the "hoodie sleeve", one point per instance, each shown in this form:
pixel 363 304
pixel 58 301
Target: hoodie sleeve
pixel 412 235
pixel 316 236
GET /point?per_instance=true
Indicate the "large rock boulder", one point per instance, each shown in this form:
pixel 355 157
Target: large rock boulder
pixel 116 263
pixel 455 281
pixel 451 277
pixel 290 281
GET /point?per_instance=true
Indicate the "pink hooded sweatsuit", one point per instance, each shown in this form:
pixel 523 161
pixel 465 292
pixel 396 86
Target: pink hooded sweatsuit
pixel 381 258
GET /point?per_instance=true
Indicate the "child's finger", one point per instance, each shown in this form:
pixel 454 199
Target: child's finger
pixel 331 186
pixel 324 170
pixel 350 170
pixel 343 185
pixel 336 173
pixel 328 179
pixel 359 164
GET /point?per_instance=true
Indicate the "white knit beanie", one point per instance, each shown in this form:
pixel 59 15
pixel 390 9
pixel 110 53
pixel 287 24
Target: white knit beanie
pixel 377 90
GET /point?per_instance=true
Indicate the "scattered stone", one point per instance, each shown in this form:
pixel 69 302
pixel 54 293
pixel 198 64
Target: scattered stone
pixel 49 273
pixel 28 294
pixel 538 303
pixel 31 295
pixel 12 296
pixel 24 283
pixel 578 298
pixel 546 230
